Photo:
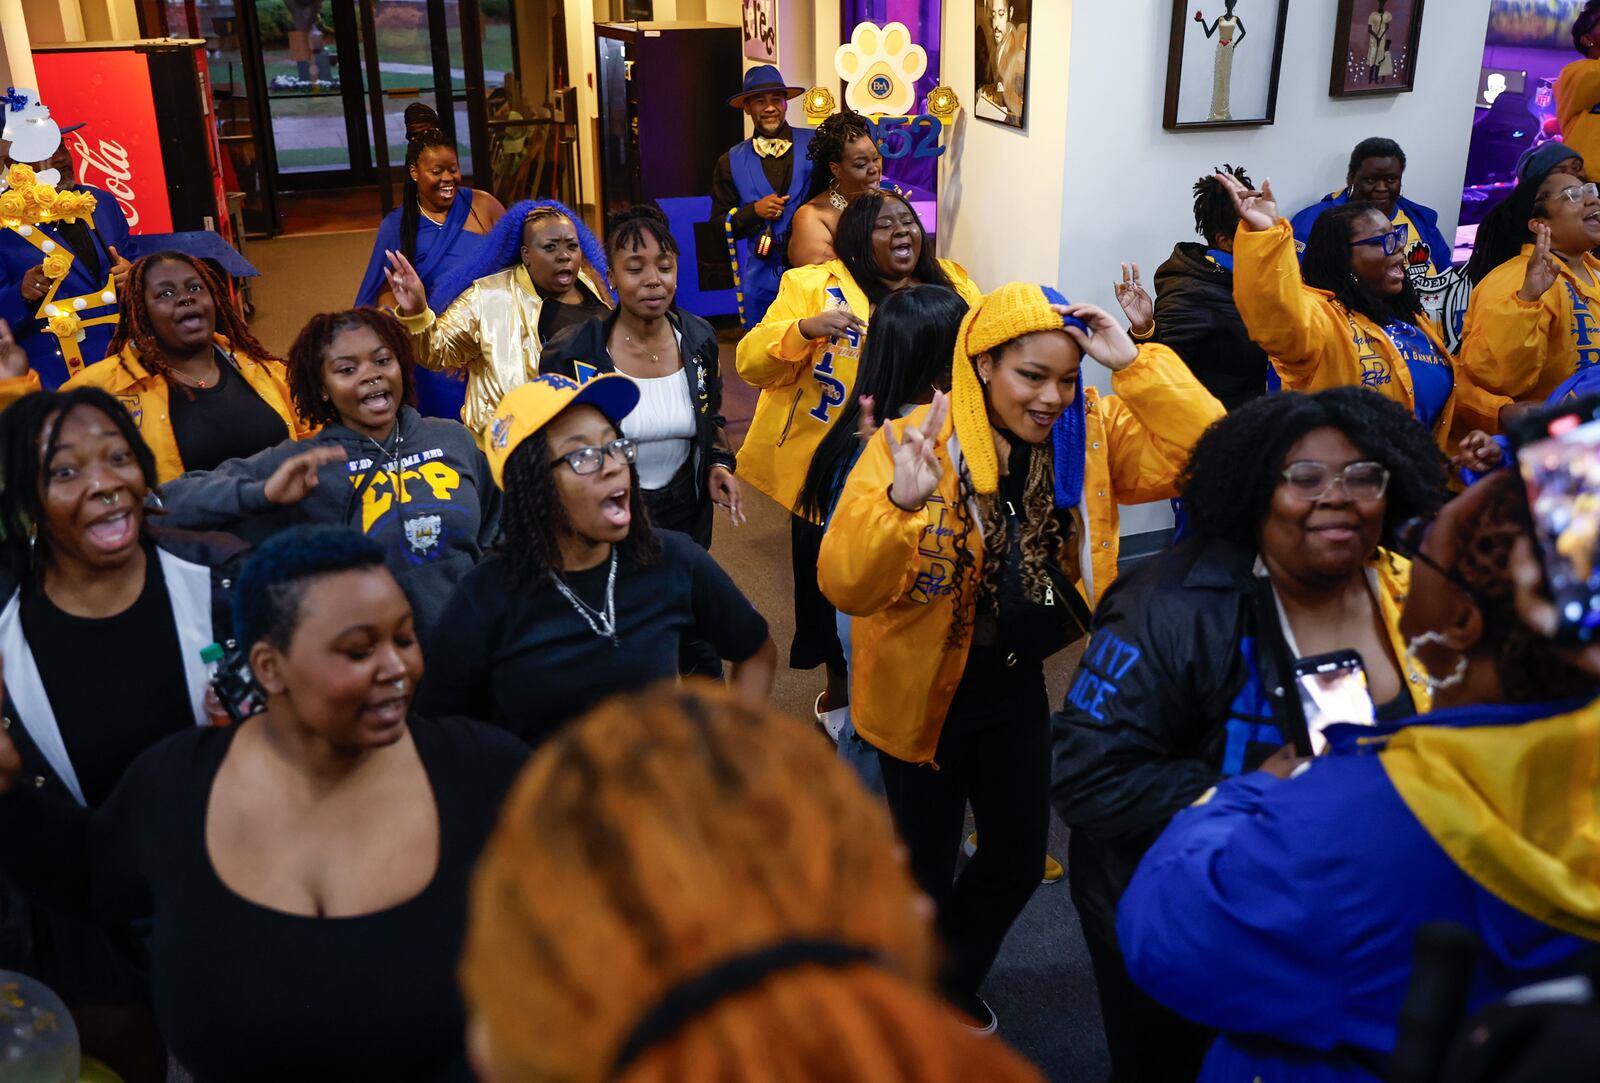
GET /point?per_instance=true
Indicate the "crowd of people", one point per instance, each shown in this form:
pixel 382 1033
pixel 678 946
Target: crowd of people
pixel 398 754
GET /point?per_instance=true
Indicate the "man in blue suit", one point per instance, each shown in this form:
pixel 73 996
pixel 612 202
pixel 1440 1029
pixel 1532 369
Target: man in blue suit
pixel 1377 166
pixel 758 186
pixel 94 276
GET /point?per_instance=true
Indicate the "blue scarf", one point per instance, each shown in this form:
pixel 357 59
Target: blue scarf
pixel 1067 435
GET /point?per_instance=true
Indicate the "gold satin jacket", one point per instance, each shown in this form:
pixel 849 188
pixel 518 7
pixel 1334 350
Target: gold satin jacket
pixel 492 331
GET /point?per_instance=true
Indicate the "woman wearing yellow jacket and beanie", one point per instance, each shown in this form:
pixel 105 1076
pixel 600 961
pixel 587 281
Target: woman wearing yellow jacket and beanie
pixel 970 541
pixel 1350 316
pixel 803 357
pixel 1534 319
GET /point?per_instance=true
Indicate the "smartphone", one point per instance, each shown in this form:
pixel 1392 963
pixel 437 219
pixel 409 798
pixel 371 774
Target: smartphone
pixel 1333 688
pixel 1558 455
pixel 235 685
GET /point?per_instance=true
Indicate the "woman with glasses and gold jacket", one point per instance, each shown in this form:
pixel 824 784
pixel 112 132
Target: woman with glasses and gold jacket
pixel 1349 315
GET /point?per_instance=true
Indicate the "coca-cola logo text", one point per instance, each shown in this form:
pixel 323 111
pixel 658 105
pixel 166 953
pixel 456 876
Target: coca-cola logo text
pixel 106 167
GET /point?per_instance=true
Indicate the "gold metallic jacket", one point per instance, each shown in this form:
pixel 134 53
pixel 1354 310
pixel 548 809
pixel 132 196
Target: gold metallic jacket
pixel 492 331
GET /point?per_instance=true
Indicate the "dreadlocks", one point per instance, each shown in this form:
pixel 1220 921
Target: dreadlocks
pixel 628 229
pixel 755 835
pixel 134 329
pixel 1214 216
pixel 310 350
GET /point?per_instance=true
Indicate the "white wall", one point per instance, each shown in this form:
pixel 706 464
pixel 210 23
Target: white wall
pixel 1125 192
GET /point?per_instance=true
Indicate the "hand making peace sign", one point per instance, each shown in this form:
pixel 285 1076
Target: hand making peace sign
pixel 917 469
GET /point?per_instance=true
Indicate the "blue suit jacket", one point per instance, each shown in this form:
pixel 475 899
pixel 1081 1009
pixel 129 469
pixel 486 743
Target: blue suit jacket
pixel 1426 219
pixel 1283 913
pixel 17 256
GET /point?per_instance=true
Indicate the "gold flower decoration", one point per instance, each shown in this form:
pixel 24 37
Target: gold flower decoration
pixel 44 196
pixel 819 104
pixel 66 325
pixel 57 264
pixel 12 205
pixel 19 175
pixel 943 103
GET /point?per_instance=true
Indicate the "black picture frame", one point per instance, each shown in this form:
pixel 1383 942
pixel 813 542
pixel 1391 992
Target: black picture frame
pixel 1182 16
pixel 1339 68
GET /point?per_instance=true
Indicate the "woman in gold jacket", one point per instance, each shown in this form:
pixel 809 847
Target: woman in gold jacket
pixel 540 271
pixel 1353 317
pixel 803 356
pixel 200 388
pixel 970 541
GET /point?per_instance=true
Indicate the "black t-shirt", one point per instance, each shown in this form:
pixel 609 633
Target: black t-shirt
pixel 248 994
pixel 555 316
pixel 527 660
pixel 229 421
pixel 116 684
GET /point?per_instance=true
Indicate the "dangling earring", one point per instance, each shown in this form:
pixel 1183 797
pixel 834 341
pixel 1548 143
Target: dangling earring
pixel 1457 675
pixel 838 201
pixel 33 541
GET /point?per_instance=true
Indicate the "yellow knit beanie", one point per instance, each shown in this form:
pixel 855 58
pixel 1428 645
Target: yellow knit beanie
pixel 1013 310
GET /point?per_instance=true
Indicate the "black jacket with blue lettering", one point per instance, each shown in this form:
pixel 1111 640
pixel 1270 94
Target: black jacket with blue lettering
pixel 1180 686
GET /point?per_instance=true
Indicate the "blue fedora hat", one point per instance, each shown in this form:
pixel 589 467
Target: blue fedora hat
pixel 762 79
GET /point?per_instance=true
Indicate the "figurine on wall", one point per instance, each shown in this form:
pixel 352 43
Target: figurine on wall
pixel 1380 61
pixel 1230 31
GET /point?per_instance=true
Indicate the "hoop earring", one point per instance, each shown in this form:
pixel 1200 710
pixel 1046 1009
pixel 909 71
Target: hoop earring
pixel 1457 675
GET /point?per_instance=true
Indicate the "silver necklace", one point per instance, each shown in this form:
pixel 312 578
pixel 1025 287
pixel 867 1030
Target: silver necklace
pixel 603 624
pixel 430 217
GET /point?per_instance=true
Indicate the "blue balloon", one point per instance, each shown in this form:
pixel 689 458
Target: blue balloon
pixel 38 1040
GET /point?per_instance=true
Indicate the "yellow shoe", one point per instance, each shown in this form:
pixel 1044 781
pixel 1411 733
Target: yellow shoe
pixel 1053 872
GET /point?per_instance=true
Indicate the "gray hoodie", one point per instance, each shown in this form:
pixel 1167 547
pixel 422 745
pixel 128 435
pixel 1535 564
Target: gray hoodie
pixel 434 511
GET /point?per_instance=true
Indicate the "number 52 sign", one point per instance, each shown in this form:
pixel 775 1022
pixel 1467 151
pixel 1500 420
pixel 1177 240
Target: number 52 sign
pixel 880 66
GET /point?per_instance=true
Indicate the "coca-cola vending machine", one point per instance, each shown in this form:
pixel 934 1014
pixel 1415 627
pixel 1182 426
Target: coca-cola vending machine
pixel 148 137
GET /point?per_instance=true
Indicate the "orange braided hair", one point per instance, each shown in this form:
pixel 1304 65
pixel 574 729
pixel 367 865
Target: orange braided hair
pixel 133 322
pixel 665 833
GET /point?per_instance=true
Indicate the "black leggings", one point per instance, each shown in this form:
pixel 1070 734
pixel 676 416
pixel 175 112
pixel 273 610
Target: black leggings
pixel 816 632
pixel 681 505
pixel 995 752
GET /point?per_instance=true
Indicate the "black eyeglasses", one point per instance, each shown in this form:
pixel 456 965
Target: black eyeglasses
pixel 1408 540
pixel 587 460
pixel 1392 241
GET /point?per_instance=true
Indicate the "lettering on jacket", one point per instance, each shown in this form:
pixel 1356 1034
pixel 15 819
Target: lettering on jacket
pixel 423 478
pixel 936 578
pixel 1374 368
pixel 1584 328
pixel 1106 662
pixel 831 391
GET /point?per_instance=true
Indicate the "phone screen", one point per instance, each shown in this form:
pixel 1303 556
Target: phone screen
pixel 1562 474
pixel 1333 688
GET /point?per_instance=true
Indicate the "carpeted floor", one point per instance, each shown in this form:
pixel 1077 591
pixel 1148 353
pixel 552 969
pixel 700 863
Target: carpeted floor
pixel 1042 986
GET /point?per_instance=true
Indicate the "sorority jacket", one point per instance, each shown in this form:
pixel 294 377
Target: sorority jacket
pixel 1578 107
pixel 1525 349
pixel 1196 316
pixel 492 331
pixel 1427 245
pixel 433 506
pixel 1183 683
pixel 146 395
pixel 894 569
pixel 1316 342
pixel 804 382
pixel 580 352
pixel 1284 913
pixel 199 570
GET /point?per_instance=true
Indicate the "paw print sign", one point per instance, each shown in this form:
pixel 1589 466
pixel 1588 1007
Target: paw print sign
pixel 880 67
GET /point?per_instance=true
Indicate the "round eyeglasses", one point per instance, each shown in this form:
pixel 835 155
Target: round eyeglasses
pixel 587 460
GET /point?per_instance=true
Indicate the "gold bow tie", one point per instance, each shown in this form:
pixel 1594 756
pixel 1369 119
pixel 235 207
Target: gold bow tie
pixel 772 148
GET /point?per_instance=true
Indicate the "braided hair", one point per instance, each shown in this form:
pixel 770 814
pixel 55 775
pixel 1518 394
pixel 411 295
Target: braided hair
pixel 133 322
pixel 25 462
pixel 503 245
pixel 827 146
pixel 534 515
pixel 1214 214
pixel 754 835
pixel 418 140
pixel 311 347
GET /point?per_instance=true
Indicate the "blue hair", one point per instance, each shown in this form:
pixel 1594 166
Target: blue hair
pixel 266 600
pixel 503 246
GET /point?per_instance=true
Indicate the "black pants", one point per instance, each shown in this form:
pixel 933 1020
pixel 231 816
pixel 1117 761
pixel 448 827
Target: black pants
pixel 816 635
pixel 682 505
pixel 994 752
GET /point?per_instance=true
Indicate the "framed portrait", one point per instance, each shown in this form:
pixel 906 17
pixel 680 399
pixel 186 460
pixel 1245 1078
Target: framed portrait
pixel 1222 63
pixel 1001 63
pixel 1375 47
pixel 761 30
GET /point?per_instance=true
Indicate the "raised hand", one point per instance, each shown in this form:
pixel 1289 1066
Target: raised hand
pixel 120 268
pixel 1106 341
pixel 10 760
pixel 410 297
pixel 293 481
pixel 1257 210
pixel 1542 268
pixel 1135 302
pixel 829 324
pixel 867 423
pixel 917 469
pixel 13 358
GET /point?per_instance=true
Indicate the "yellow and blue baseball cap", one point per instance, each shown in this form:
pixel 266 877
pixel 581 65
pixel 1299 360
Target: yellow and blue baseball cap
pixel 527 409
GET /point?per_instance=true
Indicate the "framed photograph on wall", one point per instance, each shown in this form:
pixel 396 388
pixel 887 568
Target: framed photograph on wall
pixel 1375 47
pixel 761 30
pixel 1001 63
pixel 1222 63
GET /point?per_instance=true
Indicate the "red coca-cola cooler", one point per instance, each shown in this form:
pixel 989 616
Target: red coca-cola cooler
pixel 148 136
